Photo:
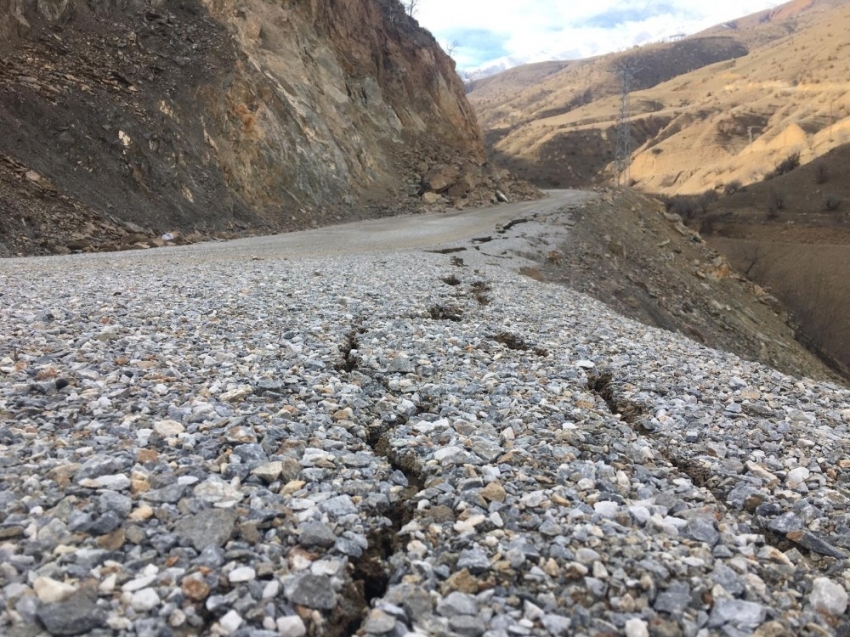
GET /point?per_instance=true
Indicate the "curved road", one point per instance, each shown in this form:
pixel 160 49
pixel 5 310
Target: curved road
pixel 408 232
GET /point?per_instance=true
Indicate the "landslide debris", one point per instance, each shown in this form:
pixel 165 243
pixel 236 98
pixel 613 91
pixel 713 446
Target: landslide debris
pixel 221 118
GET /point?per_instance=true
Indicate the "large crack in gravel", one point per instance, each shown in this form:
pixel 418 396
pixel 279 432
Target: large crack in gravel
pixel 602 385
pixel 372 571
pixel 635 415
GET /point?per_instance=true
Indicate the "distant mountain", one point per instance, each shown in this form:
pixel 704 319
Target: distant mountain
pixel 723 105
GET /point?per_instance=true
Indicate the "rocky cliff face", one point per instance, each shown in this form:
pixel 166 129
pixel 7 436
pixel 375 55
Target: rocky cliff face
pixel 210 115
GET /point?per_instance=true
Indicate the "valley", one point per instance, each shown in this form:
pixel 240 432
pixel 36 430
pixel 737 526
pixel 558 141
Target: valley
pixel 743 128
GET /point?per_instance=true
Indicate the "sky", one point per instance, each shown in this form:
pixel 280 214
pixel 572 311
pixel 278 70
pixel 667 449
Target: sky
pixel 505 33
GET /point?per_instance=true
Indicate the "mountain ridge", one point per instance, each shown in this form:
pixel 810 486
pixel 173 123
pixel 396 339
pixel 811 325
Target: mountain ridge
pixel 533 125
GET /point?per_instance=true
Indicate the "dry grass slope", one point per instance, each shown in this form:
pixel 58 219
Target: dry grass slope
pixel 706 112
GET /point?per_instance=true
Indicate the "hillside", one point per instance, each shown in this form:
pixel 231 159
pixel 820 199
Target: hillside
pixel 791 234
pixel 123 121
pixel 625 250
pixel 721 106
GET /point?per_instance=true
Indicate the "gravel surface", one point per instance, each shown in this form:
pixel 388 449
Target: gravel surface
pixel 397 443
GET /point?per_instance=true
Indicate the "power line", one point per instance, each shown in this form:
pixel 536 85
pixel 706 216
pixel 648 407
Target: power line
pixel 623 158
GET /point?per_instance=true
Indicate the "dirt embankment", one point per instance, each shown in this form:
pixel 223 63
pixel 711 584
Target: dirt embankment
pixel 791 234
pixel 627 251
pixel 121 121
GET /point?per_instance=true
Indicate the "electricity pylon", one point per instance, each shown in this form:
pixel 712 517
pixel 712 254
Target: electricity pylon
pixel 623 159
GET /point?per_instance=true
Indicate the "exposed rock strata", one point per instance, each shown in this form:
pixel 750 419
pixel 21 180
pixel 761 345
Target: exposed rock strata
pixel 216 115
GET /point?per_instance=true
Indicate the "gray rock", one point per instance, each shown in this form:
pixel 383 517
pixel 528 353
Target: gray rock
pixel 467 625
pixel 348 546
pixel 475 560
pixel 79 521
pixel 740 494
pixel 106 523
pixel 828 597
pixel 73 617
pixel 115 502
pixel 702 529
pixel 339 506
pixel 457 603
pixel 557 624
pixel 415 600
pixel 741 614
pixel 675 599
pixel 316 534
pixel 786 523
pixel 312 591
pixel 97 467
pixel 168 494
pixel 809 540
pixel 727 578
pixel 212 556
pixel 251 453
pixel 211 527
pixel 378 622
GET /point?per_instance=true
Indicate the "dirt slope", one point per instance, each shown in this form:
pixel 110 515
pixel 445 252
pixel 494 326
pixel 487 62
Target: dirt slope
pixel 626 251
pixel 791 234
pixel 217 115
pixel 748 94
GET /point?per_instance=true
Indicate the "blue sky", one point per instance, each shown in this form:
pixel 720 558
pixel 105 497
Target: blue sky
pixel 510 32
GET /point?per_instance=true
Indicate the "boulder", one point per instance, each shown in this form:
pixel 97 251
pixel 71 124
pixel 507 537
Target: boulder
pixel 462 187
pixel 440 178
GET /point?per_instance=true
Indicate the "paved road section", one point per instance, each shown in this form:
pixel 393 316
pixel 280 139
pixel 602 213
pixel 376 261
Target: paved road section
pixel 407 232
pixel 391 442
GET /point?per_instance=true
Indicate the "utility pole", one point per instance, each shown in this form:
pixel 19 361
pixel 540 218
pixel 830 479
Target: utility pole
pixel 623 158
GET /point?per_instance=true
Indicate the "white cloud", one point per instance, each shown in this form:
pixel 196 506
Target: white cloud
pixel 533 30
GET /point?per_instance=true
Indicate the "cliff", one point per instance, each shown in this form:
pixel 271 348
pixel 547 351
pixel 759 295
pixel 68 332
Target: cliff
pixel 123 118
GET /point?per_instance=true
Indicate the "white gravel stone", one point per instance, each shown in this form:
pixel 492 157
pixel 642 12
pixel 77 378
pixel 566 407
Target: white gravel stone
pixel 291 626
pixel 797 477
pixel 828 596
pixel 637 628
pixel 242 574
pixel 231 622
pixel 168 428
pixel 50 591
pixel 145 600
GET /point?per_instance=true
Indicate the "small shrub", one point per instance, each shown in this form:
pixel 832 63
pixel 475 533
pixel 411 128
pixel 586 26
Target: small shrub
pixel 832 203
pixel 684 206
pixel 707 226
pixel 784 167
pixel 732 187
pixel 775 203
pixel 788 164
pixel 479 292
pixel 821 174
pixel 707 198
pixel 445 313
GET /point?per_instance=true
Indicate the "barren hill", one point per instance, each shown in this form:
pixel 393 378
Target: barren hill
pixel 791 234
pixel 721 106
pixel 120 117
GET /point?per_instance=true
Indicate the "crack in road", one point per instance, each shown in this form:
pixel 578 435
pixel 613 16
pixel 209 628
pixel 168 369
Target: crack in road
pixel 634 414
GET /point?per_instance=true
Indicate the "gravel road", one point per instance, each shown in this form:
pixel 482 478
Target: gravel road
pixel 332 432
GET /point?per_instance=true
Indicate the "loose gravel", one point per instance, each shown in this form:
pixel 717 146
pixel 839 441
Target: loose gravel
pixel 397 443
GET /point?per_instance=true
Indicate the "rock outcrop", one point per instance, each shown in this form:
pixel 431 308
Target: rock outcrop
pixel 216 115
